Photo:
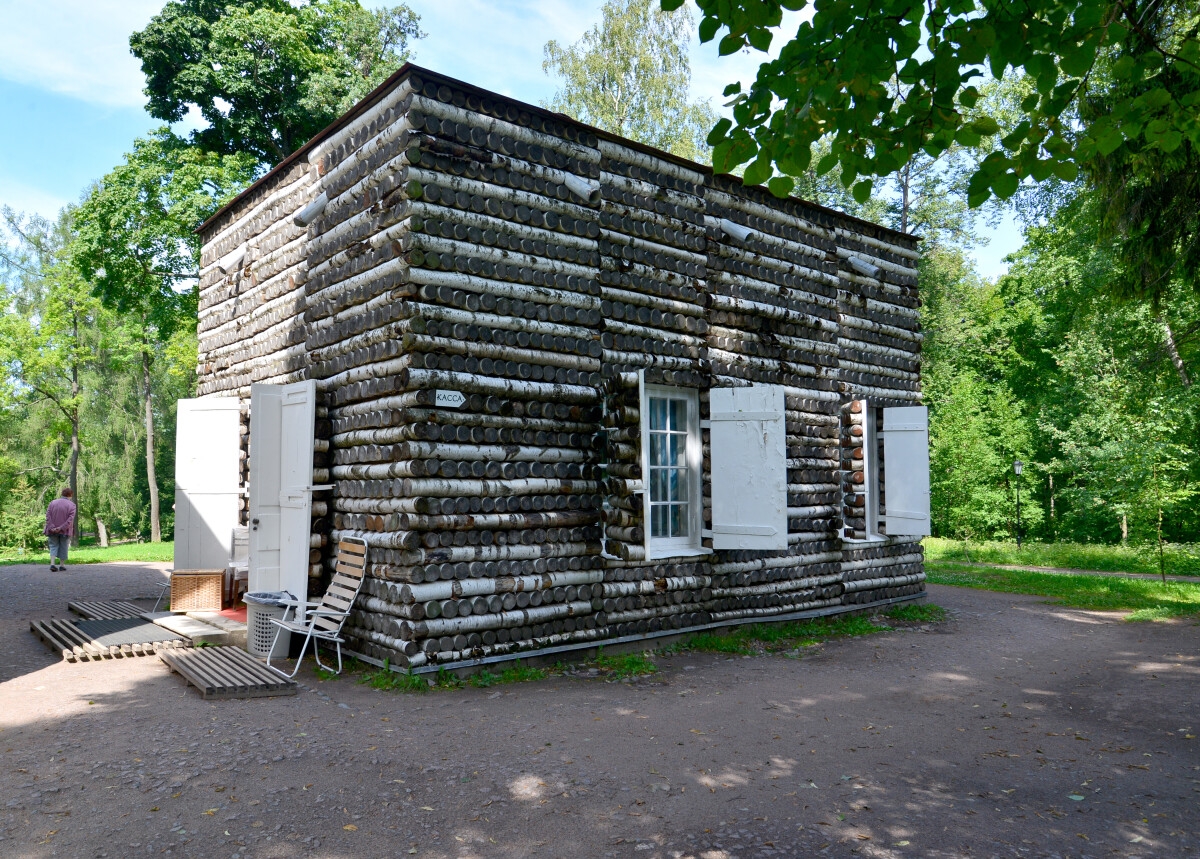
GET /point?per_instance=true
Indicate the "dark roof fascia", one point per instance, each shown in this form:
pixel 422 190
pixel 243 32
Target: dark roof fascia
pixel 409 68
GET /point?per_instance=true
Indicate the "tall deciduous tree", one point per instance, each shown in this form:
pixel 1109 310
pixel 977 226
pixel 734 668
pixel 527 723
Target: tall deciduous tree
pixel 267 75
pixel 137 243
pixel 630 75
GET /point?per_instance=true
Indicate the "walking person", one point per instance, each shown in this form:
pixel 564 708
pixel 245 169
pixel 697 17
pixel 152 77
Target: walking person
pixel 60 526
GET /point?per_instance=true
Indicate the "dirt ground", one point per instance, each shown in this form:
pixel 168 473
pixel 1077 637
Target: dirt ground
pixel 1014 729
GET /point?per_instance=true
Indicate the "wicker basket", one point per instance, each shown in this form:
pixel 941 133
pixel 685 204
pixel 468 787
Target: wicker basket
pixel 197 590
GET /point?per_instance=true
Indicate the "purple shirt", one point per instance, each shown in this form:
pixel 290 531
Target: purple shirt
pixel 60 517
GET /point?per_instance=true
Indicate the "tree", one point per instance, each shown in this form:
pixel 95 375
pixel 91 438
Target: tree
pixel 47 333
pixel 137 244
pixel 832 79
pixel 267 75
pixel 630 75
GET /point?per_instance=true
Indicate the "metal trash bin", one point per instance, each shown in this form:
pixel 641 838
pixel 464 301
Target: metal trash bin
pixel 261 607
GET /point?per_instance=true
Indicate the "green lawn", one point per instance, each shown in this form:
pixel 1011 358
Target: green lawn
pixel 1147 599
pixel 1181 558
pixel 96 555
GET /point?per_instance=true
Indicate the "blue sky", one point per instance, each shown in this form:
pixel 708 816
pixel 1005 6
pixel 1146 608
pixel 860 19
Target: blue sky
pixel 71 101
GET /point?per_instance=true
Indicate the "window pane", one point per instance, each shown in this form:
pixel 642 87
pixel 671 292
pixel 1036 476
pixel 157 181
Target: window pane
pixel 658 449
pixel 658 520
pixel 658 484
pixel 677 484
pixel 658 413
pixel 676 454
pixel 679 415
pixel 679 520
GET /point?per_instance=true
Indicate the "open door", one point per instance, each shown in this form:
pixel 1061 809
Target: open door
pixel 282 425
pixel 207 481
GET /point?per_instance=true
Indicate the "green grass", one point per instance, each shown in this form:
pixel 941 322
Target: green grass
pixel 917 613
pixel 122 553
pixel 626 665
pixel 1147 599
pixel 787 637
pixel 517 673
pixel 1180 558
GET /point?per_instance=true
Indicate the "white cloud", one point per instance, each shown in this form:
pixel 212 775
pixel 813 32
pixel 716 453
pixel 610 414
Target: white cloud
pixel 498 45
pixel 78 48
pixel 28 199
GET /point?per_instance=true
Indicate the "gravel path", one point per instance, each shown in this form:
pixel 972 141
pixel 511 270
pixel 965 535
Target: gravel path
pixel 1015 729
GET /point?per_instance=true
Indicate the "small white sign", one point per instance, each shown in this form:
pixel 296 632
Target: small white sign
pixel 449 399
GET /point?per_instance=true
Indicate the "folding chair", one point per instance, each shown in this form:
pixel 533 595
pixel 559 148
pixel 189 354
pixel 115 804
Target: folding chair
pixel 323 621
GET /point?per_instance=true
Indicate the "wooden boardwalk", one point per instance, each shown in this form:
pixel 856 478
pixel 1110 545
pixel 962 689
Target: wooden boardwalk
pixel 106 638
pixel 104 609
pixel 227 672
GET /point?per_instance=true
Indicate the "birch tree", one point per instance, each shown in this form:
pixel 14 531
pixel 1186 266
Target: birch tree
pixel 630 75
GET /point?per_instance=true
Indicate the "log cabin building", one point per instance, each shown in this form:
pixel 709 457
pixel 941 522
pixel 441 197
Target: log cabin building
pixel 570 389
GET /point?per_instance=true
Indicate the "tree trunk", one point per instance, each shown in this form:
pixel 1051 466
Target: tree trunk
pixel 1053 526
pixel 905 182
pixel 101 533
pixel 73 462
pixel 151 480
pixel 1173 352
pixel 1124 529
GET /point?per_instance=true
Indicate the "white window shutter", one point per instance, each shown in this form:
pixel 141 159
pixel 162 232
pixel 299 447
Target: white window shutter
pixel 748 447
pixel 906 471
pixel 207 481
pixel 299 415
pixel 266 483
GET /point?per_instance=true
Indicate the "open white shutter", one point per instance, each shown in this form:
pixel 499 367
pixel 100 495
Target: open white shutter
pixel 266 430
pixel 748 447
pixel 906 471
pixel 299 410
pixel 282 422
pixel 207 481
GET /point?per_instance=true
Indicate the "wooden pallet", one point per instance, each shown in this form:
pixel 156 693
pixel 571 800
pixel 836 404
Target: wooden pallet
pixel 227 672
pixel 84 641
pixel 104 609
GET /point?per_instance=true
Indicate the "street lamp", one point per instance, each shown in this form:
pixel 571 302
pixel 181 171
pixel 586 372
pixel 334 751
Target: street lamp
pixel 1018 466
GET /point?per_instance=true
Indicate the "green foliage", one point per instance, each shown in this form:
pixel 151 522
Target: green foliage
pixel 137 239
pixel 1181 558
pixel 841 74
pixel 1149 598
pixel 630 75
pixel 267 75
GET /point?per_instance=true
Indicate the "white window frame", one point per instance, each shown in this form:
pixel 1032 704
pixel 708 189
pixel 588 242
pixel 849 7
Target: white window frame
pixel 674 547
pixel 871 442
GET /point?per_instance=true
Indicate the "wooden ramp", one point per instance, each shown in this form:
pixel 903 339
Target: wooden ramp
pixel 106 638
pixel 227 672
pixel 104 609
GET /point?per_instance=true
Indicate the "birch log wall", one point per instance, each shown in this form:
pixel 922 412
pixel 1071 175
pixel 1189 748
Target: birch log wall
pixel 480 289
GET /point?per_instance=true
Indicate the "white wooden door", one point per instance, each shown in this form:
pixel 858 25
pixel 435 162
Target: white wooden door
pixel 266 430
pixel 299 411
pixel 282 422
pixel 207 481
pixel 906 471
pixel 748 444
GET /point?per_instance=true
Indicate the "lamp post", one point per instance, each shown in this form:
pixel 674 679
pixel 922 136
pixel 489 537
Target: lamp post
pixel 1017 468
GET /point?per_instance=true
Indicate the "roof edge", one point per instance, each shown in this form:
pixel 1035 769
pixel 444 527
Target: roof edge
pixel 369 100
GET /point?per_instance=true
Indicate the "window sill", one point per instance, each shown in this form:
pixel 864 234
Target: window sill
pixel 662 553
